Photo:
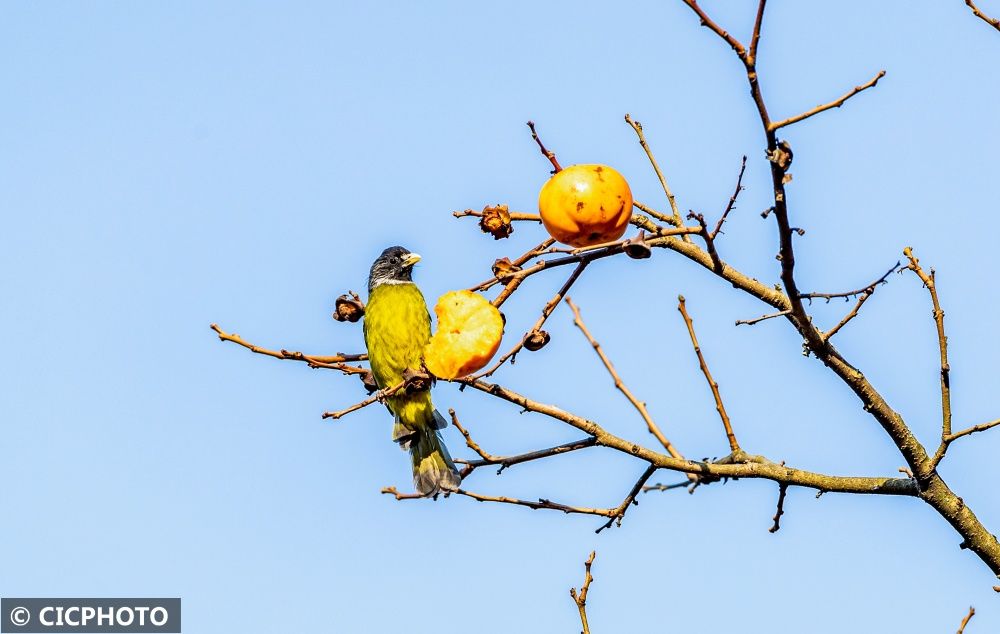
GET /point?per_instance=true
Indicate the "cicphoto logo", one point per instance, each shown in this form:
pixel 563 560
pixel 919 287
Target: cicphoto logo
pixel 29 615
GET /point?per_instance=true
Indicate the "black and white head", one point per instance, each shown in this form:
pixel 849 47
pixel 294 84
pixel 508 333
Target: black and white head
pixel 394 266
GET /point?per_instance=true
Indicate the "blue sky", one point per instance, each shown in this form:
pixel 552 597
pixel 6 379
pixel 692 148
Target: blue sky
pixel 168 165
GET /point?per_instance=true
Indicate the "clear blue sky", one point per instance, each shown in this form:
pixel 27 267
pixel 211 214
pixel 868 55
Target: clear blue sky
pixel 168 165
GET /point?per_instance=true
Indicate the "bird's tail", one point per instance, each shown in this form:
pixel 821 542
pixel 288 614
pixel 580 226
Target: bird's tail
pixel 433 469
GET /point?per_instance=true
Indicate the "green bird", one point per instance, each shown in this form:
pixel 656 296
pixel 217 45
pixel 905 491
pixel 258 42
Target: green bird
pixel 397 328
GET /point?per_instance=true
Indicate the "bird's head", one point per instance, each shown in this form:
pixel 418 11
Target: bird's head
pixel 394 266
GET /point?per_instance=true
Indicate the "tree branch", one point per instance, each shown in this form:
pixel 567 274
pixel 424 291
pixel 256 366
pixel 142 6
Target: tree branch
pixel 782 490
pixel 851 315
pixel 757 320
pixel 739 186
pixel 536 332
pixel 546 153
pixel 836 103
pixel 676 219
pixel 580 598
pixel 514 215
pixel 734 446
pixel 755 36
pixel 331 361
pixel 620 385
pixel 994 22
pixel 938 314
pixel 629 499
pixel 509 461
pixel 746 466
pixel 855 292
pixel 377 397
pixel 965 621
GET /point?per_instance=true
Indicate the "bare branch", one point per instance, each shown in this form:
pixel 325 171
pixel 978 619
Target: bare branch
pixel 836 103
pixel 757 320
pixel 855 292
pixel 755 37
pixel 377 397
pixel 514 215
pixel 782 490
pixel 546 153
pixel 629 499
pixel 965 621
pixel 321 361
pixel 718 30
pixel 851 315
pixel 709 241
pixel 546 311
pixel 518 262
pixel 938 314
pixel 509 461
pixel 662 217
pixel 734 446
pixel 745 466
pixel 580 598
pixel 676 220
pixel 664 239
pixel 639 405
pixel 666 487
pixel 994 22
pixel 739 187
pixel 541 504
pixel 974 429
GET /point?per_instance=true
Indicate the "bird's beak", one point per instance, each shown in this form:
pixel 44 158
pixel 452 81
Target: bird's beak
pixel 410 259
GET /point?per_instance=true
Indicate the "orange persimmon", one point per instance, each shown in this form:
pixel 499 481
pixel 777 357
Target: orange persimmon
pixel 469 331
pixel 585 204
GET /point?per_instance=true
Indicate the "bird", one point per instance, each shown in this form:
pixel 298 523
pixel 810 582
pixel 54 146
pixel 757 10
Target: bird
pixel 397 327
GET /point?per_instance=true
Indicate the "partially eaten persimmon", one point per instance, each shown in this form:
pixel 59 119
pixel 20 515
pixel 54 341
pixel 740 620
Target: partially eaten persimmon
pixel 584 205
pixel 468 334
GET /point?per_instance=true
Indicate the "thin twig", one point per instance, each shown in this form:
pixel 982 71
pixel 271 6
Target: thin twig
pixel 994 22
pixel 739 188
pixel 514 215
pixel 757 320
pixel 855 292
pixel 734 446
pixel 509 461
pixel 717 264
pixel 974 429
pixel 938 315
pixel 542 503
pixel 755 37
pixel 546 311
pixel 629 499
pixel 782 490
pixel 377 397
pixel 665 239
pixel 518 262
pixel 662 217
pixel 851 315
pixel 676 220
pixel 636 403
pixel 289 355
pixel 836 103
pixel 718 30
pixel 546 153
pixel 580 598
pixel 965 621
pixel 666 487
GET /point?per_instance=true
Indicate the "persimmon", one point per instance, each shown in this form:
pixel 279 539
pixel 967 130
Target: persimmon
pixel 469 331
pixel 585 204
